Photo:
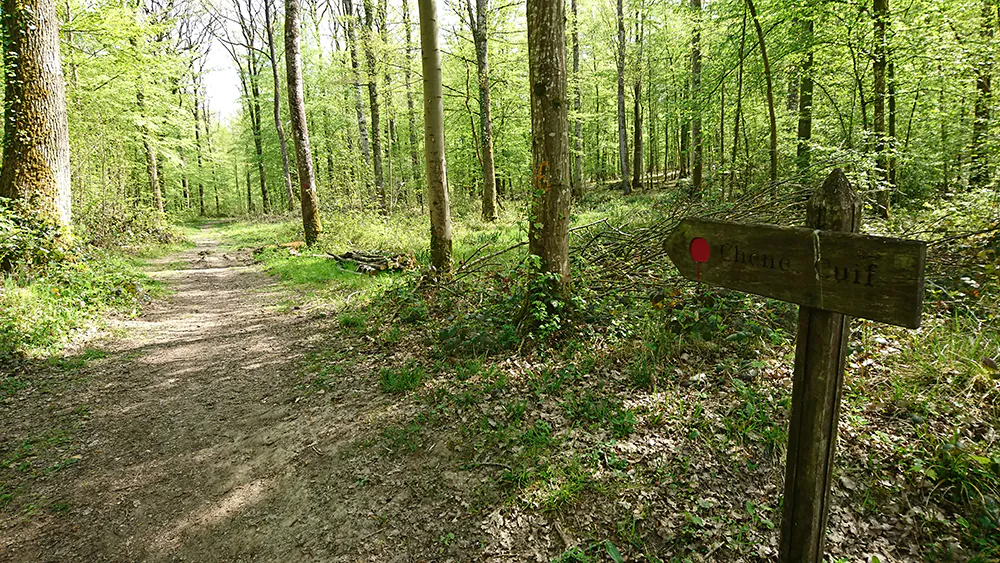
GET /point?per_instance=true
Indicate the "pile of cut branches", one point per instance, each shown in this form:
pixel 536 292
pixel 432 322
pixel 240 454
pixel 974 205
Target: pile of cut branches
pixel 375 261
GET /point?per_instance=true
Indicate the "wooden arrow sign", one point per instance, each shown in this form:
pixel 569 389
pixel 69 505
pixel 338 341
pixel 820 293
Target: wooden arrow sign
pixel 875 278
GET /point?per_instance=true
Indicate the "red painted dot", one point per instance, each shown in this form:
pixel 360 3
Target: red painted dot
pixel 699 250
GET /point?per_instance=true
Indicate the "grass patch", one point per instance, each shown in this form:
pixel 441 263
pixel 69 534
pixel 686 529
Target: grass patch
pixel 40 309
pixel 402 379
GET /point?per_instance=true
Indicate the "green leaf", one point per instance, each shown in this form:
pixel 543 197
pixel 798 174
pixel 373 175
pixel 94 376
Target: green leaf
pixel 613 552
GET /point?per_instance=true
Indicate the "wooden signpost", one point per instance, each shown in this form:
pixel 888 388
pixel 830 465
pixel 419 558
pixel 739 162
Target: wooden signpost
pixel 833 274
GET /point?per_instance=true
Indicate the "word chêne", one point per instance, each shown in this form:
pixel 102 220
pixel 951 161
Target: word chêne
pixel 825 269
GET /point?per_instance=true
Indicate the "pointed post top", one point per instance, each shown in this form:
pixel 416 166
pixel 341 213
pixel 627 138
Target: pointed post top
pixel 835 206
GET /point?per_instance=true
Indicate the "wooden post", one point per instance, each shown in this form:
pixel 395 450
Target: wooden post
pixel 816 391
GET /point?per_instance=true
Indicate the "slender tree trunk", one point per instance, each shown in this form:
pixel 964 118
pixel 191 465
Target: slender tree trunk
pixel 197 144
pixel 697 148
pixel 480 33
pixel 548 226
pixel 739 104
pixel 152 163
pixel 637 136
pixel 434 158
pixel 410 111
pixel 980 173
pixel 255 125
pixel 773 122
pixel 373 106
pixel 805 101
pixel 882 197
pixel 359 106
pixel 311 224
pixel 249 193
pixel 622 131
pixel 277 106
pixel 577 104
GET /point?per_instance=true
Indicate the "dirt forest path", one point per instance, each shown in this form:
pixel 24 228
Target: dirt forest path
pixel 193 442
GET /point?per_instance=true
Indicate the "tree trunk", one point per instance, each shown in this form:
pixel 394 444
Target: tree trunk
pixel 770 98
pixel 373 106
pixel 548 226
pixel 979 175
pixel 311 224
pixel 152 164
pixel 622 131
pixel 480 35
pixel 255 124
pixel 249 193
pixel 739 104
pixel 805 101
pixel 197 144
pixel 577 104
pixel 36 166
pixel 882 197
pixel 277 106
pixel 359 106
pixel 697 150
pixel 434 158
pixel 637 136
pixel 410 112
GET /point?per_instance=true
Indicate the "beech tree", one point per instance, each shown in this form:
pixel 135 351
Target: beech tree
pixel 36 166
pixel 479 24
pixel 300 133
pixel 548 225
pixel 434 158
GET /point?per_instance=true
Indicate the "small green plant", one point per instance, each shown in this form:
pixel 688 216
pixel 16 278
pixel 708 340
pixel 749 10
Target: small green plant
pixel 355 322
pixel 400 380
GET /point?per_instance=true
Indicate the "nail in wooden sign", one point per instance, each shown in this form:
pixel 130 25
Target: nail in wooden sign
pixel 875 278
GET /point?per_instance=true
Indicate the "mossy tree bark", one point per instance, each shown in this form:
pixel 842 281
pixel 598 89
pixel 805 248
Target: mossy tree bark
pixel 36 131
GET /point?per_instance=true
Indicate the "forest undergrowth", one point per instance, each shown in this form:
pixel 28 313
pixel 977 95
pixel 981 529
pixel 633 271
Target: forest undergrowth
pixel 52 289
pixel 649 415
pixel 646 416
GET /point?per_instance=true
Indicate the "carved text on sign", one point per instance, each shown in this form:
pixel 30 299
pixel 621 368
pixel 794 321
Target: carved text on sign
pixel 875 278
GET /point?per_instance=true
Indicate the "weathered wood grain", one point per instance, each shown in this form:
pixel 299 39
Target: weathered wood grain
pixel 875 278
pixel 817 387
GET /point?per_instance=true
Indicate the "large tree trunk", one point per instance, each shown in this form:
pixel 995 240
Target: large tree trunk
pixel 805 100
pixel 697 151
pixel 577 104
pixel 36 132
pixel 434 160
pixel 410 112
pixel 548 226
pixel 359 106
pixel 980 173
pixel 480 34
pixel 882 197
pixel 773 122
pixel 311 223
pixel 289 196
pixel 622 131
pixel 376 132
